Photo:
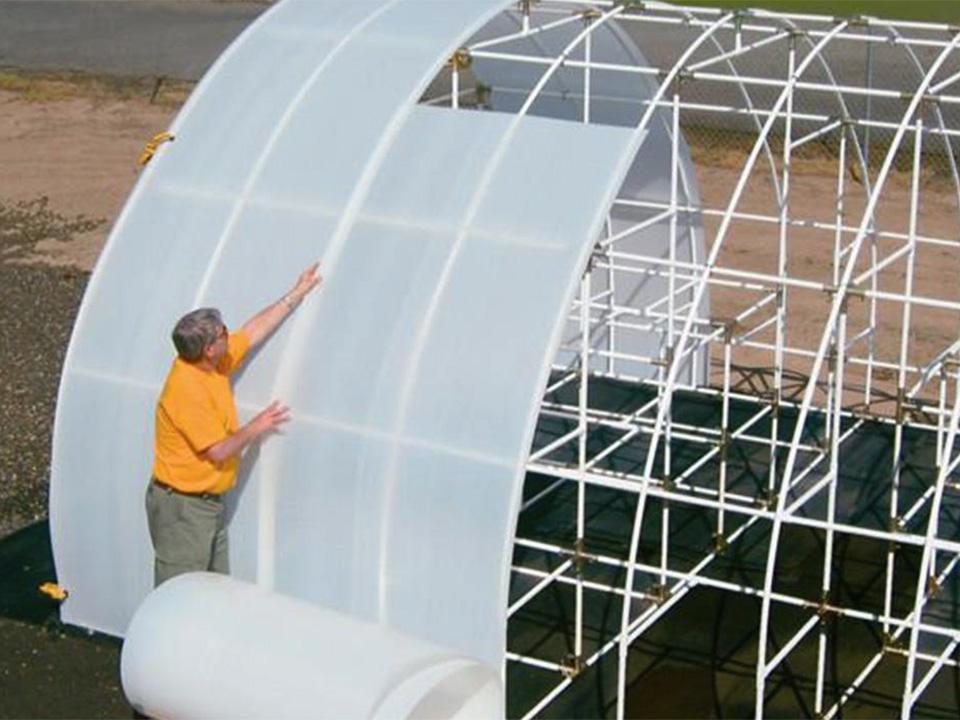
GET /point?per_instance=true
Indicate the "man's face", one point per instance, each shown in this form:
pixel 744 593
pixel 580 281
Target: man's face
pixel 215 351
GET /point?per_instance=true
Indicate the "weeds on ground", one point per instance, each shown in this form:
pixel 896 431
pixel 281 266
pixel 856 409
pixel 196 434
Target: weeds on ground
pixel 51 87
pixel 25 223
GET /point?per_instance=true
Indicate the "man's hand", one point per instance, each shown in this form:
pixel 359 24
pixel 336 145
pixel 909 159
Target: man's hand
pixel 267 420
pixel 259 327
pixel 308 280
pixel 270 419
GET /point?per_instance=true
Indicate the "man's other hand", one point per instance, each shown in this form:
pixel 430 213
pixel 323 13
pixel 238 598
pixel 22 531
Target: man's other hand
pixel 267 420
pixel 270 419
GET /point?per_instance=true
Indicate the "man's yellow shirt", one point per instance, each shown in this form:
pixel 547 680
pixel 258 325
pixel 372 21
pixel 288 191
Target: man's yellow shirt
pixel 196 410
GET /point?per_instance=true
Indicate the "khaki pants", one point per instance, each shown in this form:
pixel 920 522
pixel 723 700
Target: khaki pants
pixel 188 533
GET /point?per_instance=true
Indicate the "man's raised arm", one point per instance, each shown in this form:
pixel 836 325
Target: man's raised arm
pixel 266 321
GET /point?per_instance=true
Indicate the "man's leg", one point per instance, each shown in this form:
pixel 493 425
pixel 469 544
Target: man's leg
pixel 182 530
pixel 220 562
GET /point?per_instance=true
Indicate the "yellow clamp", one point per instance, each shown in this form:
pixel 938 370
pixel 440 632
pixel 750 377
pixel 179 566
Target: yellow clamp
pixel 461 59
pixel 54 591
pixel 151 147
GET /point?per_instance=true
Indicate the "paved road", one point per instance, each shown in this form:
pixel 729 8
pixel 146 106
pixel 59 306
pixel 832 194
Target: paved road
pixel 181 38
pixel 177 39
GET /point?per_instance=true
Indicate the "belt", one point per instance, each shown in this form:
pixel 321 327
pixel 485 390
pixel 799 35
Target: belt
pixel 170 489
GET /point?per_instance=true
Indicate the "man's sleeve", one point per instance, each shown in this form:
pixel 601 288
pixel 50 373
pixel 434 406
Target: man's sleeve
pixel 192 413
pixel 238 343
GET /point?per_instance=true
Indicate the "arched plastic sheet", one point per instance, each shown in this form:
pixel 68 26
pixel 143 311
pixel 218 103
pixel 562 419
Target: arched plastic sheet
pixel 452 243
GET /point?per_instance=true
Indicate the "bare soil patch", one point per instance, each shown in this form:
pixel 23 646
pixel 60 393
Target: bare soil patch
pixel 75 140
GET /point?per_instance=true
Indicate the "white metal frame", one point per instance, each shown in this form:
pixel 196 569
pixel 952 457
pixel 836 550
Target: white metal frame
pixel 800 471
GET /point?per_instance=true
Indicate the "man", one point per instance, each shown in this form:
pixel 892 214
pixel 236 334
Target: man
pixel 198 441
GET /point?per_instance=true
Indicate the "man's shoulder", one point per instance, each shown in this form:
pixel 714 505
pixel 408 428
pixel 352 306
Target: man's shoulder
pixel 183 380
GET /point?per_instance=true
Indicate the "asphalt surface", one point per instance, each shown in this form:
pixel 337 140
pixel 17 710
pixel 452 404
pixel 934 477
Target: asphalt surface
pixel 121 37
pixel 182 38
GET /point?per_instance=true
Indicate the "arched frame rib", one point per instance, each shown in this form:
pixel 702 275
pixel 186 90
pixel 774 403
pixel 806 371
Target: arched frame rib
pixel 838 303
pixel 675 365
pixel 624 639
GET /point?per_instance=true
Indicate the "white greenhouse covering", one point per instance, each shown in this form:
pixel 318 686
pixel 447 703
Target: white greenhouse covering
pixel 452 245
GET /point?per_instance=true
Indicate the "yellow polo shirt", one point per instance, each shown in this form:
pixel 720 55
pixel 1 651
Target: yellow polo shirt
pixel 196 410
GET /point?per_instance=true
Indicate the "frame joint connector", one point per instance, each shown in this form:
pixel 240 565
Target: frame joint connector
pixel 824 608
pixel 669 486
pixel 720 543
pixel 572 665
pixel 902 407
pixel 894 526
pixel 461 59
pixel 891 644
pixel 524 6
pixel 589 15
pixel 659 593
pixel 668 354
pixel 580 557
pixel 768 499
pixel 632 5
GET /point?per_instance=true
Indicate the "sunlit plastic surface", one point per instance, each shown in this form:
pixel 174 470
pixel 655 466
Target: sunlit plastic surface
pixel 452 245
pixel 209 646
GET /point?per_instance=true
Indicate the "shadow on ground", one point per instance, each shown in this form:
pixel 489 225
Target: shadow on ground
pixel 47 669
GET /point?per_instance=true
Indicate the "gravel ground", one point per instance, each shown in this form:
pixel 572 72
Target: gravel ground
pixel 38 304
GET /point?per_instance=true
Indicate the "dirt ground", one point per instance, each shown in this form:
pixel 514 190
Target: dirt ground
pixel 77 141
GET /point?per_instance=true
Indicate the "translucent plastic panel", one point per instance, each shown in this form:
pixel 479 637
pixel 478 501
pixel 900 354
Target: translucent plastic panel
pixel 426 360
pixel 344 116
pixel 452 243
pixel 331 479
pixel 101 510
pixel 214 221
pixel 144 283
pixel 279 241
pixel 240 106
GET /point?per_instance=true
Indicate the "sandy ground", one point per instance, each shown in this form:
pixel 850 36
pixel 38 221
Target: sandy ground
pixel 754 247
pixel 82 153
